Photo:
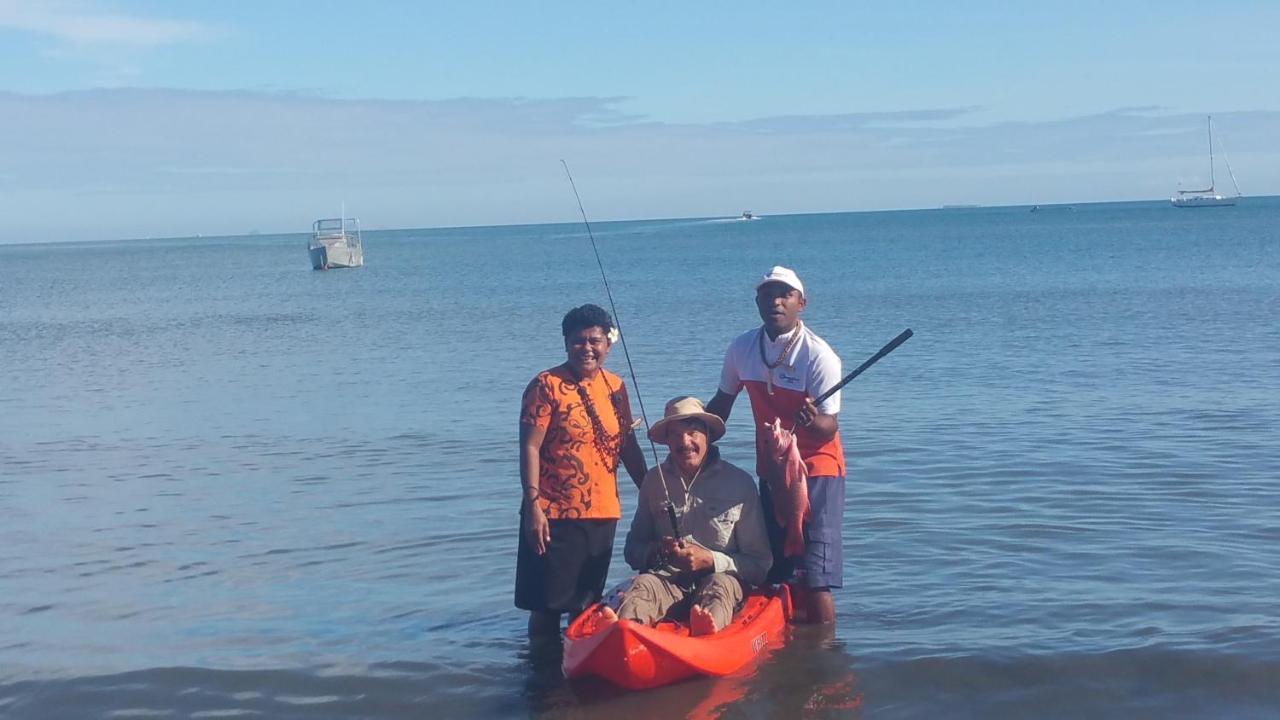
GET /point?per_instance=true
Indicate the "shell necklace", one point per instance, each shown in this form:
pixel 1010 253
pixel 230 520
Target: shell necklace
pixel 786 350
pixel 607 444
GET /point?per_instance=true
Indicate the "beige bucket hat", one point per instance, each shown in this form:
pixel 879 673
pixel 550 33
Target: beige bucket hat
pixel 682 408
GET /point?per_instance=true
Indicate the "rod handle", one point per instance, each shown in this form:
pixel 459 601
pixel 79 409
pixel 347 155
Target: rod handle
pixel 675 523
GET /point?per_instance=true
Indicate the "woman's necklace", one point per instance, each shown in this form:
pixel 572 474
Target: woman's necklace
pixel 608 445
pixel 786 350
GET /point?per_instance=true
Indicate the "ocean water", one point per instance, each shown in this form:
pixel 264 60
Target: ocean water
pixel 231 486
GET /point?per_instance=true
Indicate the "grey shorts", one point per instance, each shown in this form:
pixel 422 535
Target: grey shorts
pixel 823 561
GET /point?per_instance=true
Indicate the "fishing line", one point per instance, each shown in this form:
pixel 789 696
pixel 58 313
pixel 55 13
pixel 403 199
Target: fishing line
pixel 671 510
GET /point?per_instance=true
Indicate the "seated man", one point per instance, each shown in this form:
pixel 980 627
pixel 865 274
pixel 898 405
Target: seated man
pixel 724 547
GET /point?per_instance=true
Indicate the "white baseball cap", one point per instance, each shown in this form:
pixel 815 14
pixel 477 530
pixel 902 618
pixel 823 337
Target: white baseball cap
pixel 786 276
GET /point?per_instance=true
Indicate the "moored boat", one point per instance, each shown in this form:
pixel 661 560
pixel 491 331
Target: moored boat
pixel 1201 198
pixel 638 656
pixel 1208 197
pixel 336 243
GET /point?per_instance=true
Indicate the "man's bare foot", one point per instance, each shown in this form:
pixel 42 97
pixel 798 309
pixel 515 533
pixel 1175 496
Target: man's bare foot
pixel 700 621
pixel 601 619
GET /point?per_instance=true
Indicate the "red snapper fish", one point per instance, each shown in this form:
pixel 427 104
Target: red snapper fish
pixel 788 485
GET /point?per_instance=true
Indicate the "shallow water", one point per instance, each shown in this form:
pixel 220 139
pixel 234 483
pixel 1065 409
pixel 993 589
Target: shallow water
pixel 234 486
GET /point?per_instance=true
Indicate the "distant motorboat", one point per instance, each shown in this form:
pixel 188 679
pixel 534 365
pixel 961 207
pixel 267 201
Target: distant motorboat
pixel 747 215
pixel 336 243
pixel 1208 197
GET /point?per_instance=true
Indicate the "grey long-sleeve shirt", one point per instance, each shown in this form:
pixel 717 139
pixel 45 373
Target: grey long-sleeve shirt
pixel 721 512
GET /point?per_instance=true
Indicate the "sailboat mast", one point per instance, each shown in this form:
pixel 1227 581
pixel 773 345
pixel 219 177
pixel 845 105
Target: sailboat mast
pixel 1208 197
pixel 1230 172
pixel 1212 184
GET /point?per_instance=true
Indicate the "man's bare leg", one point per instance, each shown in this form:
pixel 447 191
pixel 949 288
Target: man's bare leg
pixel 812 605
pixel 821 606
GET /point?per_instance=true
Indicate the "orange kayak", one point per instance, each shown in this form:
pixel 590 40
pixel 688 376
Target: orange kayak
pixel 638 656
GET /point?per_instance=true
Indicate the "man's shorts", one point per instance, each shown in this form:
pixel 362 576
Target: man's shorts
pixel 570 575
pixel 823 561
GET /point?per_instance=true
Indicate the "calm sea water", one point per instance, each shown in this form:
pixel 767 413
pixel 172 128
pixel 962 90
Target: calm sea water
pixel 232 486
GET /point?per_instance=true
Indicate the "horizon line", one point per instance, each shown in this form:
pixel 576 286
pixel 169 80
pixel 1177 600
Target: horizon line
pixel 949 206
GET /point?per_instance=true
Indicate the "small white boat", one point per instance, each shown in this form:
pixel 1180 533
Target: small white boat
pixel 1208 197
pixel 336 243
pixel 746 215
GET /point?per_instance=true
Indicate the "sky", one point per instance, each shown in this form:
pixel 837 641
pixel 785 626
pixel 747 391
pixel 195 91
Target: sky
pixel 125 119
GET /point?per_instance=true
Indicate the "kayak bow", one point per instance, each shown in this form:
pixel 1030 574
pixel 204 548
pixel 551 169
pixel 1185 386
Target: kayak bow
pixel 637 656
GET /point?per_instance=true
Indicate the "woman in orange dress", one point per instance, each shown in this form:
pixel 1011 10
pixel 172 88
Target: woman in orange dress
pixel 575 429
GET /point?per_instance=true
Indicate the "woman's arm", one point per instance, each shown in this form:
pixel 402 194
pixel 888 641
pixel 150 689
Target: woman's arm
pixel 535 521
pixel 633 459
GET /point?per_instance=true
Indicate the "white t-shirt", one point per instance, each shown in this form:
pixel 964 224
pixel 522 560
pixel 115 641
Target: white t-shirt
pixel 811 367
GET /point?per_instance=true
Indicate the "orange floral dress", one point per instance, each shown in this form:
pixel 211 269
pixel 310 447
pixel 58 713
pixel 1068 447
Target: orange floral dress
pixel 577 463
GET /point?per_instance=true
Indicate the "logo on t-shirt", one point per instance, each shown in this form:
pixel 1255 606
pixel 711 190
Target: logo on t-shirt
pixel 788 378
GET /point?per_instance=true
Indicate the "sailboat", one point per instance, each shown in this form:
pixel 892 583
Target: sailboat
pixel 1208 197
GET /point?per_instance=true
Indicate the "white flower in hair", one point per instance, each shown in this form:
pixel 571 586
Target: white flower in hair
pixel 613 335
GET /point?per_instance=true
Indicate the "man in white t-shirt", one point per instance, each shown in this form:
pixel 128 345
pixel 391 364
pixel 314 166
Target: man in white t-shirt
pixel 784 365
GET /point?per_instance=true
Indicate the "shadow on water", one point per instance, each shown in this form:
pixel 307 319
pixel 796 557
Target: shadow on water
pixel 808 676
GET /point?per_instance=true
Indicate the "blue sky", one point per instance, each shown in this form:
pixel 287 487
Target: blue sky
pixel 134 119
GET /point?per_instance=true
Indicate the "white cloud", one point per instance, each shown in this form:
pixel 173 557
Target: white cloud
pixel 78 25
pixel 134 162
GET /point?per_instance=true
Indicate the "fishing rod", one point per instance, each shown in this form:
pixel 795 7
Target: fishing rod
pixel 671 508
pixel 888 348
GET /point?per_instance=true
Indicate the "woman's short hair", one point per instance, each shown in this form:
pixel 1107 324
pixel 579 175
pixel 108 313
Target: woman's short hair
pixel 585 316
